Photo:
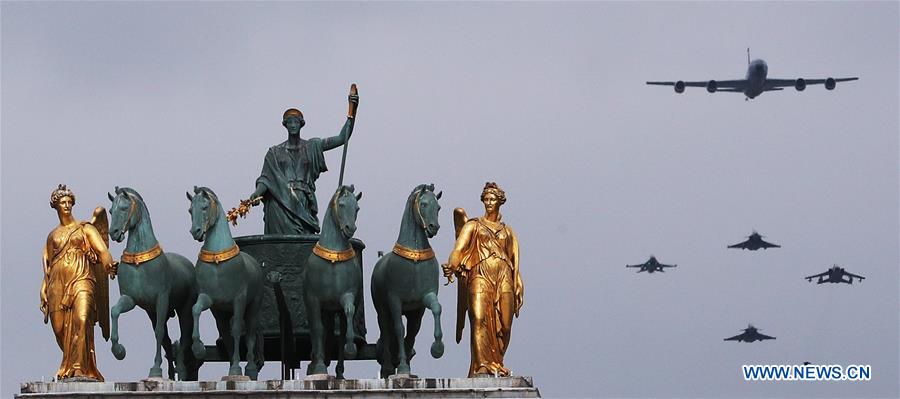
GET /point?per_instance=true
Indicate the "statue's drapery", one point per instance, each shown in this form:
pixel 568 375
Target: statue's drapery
pixel 290 178
pixel 73 291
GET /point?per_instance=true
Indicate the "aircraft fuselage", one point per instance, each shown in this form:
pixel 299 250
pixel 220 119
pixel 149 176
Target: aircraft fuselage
pixel 756 78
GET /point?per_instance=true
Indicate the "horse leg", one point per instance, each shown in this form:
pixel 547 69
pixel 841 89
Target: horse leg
pixel 239 306
pixel 314 313
pixel 397 321
pixel 185 371
pixel 339 369
pixel 385 341
pixel 348 302
pixel 203 303
pixel 250 337
pixel 431 302
pixel 413 323
pixel 159 327
pixel 124 305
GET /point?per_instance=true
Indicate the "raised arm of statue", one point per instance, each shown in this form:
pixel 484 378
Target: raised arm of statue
pixel 347 130
pixel 341 138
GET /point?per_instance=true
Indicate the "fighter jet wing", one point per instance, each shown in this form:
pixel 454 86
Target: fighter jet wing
pixel 634 265
pixel 853 276
pixel 773 83
pixel 736 86
pixel 661 265
pixel 741 245
pixel 809 278
pixel 761 336
pixel 764 244
pixel 736 337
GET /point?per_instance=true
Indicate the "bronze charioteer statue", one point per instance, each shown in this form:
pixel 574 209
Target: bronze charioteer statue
pixel 287 183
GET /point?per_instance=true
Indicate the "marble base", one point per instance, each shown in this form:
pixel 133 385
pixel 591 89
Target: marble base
pixel 502 387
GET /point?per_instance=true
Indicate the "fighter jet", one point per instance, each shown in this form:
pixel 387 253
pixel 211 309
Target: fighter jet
pixel 750 334
pixel 755 83
pixel 651 266
pixel 835 275
pixel 754 242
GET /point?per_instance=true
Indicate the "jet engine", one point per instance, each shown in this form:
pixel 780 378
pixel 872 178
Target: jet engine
pixel 830 83
pixel 800 85
pixel 712 86
pixel 679 86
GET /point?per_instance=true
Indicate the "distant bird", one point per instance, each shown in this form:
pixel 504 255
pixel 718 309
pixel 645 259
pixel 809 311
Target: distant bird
pixel 651 266
pixel 750 334
pixel 835 275
pixel 754 242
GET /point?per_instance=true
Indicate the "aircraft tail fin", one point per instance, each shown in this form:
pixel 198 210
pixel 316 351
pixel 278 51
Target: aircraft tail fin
pixel 748 55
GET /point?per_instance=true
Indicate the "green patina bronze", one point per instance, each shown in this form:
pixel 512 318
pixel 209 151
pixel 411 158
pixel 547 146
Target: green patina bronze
pixel 232 288
pixel 287 182
pixel 406 287
pixel 162 286
pixel 331 287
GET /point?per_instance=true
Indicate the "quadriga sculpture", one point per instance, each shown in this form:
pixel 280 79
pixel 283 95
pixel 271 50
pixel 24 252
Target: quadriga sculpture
pixel 161 283
pixel 332 279
pixel 230 283
pixel 405 283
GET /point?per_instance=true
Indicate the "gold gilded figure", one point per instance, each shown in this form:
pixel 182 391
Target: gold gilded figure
pixel 75 289
pixel 486 260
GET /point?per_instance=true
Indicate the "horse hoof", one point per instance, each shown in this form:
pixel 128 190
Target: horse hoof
pixel 199 349
pixel 235 370
pixel 118 351
pixel 437 349
pixel 155 372
pixel 350 350
pixel 182 373
pixel 317 368
pixel 403 369
pixel 252 373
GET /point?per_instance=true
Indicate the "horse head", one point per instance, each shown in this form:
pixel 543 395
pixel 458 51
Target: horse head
pixel 205 210
pixel 423 203
pixel 125 212
pixel 344 207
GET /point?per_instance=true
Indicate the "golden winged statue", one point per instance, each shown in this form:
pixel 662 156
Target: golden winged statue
pixel 485 257
pixel 75 288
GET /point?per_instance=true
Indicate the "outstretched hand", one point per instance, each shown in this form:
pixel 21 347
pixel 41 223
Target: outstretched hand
pixel 449 272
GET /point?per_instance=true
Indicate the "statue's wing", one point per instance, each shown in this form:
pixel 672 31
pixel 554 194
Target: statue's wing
pixel 101 299
pixel 462 290
pixel 459 219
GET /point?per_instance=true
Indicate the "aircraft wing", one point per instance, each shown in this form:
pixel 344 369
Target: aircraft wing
pixel 735 338
pixel 662 265
pixel 809 278
pixel 634 265
pixel 763 336
pixel 736 86
pixel 853 276
pixel 772 84
pixel 742 245
pixel 768 244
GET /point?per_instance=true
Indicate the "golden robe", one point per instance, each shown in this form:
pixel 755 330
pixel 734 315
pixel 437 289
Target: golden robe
pixel 71 286
pixel 491 273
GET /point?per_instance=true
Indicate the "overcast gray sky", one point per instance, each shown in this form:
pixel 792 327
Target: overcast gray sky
pixel 547 99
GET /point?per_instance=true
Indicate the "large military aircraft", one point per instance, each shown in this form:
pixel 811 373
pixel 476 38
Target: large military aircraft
pixel 754 83
pixel 651 266
pixel 750 334
pixel 835 275
pixel 754 242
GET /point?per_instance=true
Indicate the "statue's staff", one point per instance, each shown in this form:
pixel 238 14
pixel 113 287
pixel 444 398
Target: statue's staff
pixel 353 100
